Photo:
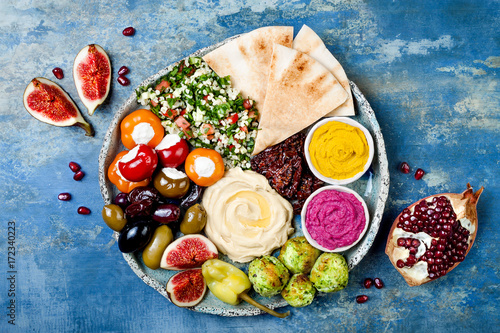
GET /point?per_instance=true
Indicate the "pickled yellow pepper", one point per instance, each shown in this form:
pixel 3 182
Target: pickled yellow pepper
pixel 230 284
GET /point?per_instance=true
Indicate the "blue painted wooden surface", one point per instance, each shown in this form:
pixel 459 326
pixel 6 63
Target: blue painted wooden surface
pixel 429 69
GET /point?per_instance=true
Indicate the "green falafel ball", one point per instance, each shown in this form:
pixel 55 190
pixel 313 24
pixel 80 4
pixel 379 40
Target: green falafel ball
pixel 268 275
pixel 299 291
pixel 330 273
pixel 298 255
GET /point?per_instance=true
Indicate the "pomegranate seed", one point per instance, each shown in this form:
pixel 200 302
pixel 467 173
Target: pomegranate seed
pixel 83 210
pixel 130 31
pixel 368 283
pixel 123 70
pixel 78 175
pixel 361 299
pixel 401 242
pixel 74 166
pixel 64 196
pixel 419 174
pixel 404 167
pixel 123 80
pixel 400 263
pixel 378 283
pixel 58 73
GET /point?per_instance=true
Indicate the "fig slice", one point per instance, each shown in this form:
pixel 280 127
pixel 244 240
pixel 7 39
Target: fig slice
pixel 92 75
pixel 188 251
pixel 433 235
pixel 48 102
pixel 186 288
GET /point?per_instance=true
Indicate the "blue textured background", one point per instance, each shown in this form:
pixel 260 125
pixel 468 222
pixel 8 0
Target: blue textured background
pixel 429 69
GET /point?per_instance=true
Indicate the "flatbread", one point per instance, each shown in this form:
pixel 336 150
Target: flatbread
pixel 308 42
pixel 299 91
pixel 247 58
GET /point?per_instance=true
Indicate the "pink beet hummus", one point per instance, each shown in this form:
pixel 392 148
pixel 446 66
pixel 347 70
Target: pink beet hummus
pixel 335 219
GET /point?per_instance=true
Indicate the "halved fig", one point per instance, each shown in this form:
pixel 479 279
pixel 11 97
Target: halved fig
pixel 92 75
pixel 188 251
pixel 186 288
pixel 48 102
pixel 432 236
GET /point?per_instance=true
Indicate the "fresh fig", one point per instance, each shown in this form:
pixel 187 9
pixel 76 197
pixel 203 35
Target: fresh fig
pixel 432 236
pixel 188 251
pixel 48 102
pixel 186 288
pixel 92 75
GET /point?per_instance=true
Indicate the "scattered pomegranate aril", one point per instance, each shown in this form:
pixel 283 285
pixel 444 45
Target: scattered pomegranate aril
pixel 419 174
pixel 78 175
pixel 378 283
pixel 404 167
pixel 58 73
pixel 83 210
pixel 368 283
pixel 123 70
pixel 123 80
pixel 435 233
pixel 361 299
pixel 64 196
pixel 74 166
pixel 130 31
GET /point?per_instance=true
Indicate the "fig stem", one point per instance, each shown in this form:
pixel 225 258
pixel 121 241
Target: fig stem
pixel 244 296
pixel 89 130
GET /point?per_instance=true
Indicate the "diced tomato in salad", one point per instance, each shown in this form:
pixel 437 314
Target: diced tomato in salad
pixel 244 129
pixel 162 85
pixel 171 114
pixel 232 119
pixel 182 122
pixel 207 130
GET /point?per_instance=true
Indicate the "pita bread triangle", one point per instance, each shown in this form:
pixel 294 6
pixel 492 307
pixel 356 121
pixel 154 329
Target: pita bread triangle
pixel 299 91
pixel 246 59
pixel 308 42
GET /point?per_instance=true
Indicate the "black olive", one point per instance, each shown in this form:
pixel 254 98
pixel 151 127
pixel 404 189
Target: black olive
pixel 166 213
pixel 142 193
pixel 140 208
pixel 135 237
pixel 194 194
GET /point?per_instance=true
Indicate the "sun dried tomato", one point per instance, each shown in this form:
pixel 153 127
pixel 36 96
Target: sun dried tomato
pixel 285 166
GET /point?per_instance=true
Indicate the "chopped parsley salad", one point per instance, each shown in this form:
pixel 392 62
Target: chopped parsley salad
pixel 198 105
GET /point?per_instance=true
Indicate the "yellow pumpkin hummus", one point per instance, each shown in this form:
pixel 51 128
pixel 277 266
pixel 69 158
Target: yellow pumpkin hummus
pixel 338 150
pixel 246 217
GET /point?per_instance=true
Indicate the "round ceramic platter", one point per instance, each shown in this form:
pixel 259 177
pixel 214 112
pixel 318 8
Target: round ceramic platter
pixel 373 187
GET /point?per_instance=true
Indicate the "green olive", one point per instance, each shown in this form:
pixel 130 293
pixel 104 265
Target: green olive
pixel 113 216
pixel 194 220
pixel 154 250
pixel 171 183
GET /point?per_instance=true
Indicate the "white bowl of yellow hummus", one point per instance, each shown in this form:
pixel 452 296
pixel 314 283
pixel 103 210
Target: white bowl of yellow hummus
pixel 339 150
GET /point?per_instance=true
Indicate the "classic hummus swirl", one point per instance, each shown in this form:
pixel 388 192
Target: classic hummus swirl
pixel 246 217
pixel 338 150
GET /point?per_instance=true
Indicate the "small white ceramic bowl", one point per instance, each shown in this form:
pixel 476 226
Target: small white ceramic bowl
pixel 304 211
pixel 348 121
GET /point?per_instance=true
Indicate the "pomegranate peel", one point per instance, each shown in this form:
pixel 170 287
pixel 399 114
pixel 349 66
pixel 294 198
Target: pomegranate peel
pixel 48 102
pixel 92 75
pixel 421 253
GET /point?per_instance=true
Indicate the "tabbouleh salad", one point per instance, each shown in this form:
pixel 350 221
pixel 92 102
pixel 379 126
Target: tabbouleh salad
pixel 198 105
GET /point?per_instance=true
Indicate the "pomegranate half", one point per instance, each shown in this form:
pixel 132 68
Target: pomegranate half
pixel 92 75
pixel 432 236
pixel 48 102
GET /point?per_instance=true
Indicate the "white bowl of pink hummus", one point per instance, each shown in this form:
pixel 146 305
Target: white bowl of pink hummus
pixel 334 218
